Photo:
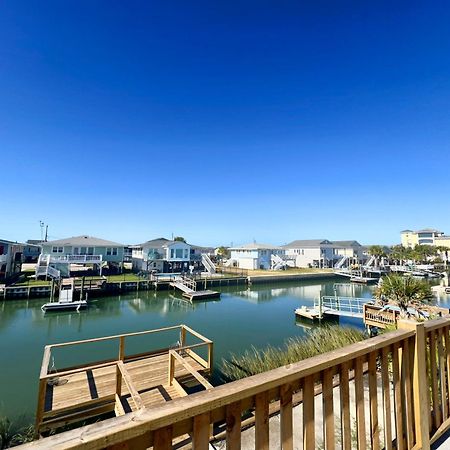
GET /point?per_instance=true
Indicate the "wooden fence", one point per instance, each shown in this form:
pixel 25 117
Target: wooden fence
pixel 390 391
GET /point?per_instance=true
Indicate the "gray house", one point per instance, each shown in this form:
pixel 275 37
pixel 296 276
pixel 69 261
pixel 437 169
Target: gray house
pixel 11 255
pixel 82 251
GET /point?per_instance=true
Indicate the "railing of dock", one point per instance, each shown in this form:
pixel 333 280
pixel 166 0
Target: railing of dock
pixel 376 316
pixel 236 271
pixel 48 419
pixel 400 383
pixel 352 305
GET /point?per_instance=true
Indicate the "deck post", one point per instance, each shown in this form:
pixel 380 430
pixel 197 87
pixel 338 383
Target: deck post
pixel 40 407
pixel 210 356
pixel 182 336
pixel 171 368
pixel 118 372
pixel 420 384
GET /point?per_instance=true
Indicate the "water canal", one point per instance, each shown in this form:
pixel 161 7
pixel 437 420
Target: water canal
pixel 242 318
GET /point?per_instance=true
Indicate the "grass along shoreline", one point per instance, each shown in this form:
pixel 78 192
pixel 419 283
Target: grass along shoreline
pixel 319 341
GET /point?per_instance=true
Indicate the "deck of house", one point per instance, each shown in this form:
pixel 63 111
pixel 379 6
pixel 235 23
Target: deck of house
pixel 126 384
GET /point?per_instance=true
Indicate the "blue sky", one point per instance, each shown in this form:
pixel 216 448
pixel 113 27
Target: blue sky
pixel 224 121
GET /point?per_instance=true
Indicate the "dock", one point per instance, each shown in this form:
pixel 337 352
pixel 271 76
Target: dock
pixel 123 385
pixel 188 287
pixel 328 306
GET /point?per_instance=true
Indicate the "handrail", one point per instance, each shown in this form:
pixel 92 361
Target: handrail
pixel 188 367
pixel 181 411
pixel 131 388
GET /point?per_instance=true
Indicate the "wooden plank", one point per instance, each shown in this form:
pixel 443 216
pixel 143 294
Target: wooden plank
pixel 373 400
pixel 386 399
pixel 40 406
pixel 447 357
pixel 196 334
pixel 127 378
pixel 286 430
pixel 442 376
pixel 328 410
pixel 346 431
pixel 262 421
pixel 116 336
pixel 437 418
pixel 163 439
pixel 200 437
pixel 233 426
pixel 45 361
pixel 407 383
pixel 191 370
pixel 398 407
pixel 176 412
pixel 309 438
pixel 359 399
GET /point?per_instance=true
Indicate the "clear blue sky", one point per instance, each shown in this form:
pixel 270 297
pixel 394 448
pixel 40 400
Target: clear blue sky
pixel 224 121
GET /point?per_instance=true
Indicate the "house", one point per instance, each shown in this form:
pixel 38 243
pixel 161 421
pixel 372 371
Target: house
pixel 427 236
pixel 161 255
pixel 84 251
pixel 11 256
pixel 255 256
pixel 324 253
pixel 32 250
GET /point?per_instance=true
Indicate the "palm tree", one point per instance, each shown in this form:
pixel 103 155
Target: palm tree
pixel 403 291
pixel 378 252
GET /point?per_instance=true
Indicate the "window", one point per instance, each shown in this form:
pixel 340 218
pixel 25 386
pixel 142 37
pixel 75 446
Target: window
pixel 56 249
pixel 114 251
pixel 111 251
pixel 82 250
pixel 186 251
pixel 2 249
pixel 179 253
pixel 172 253
pixel 90 250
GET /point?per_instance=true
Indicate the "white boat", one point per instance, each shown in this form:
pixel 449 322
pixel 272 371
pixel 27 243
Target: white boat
pixel 66 301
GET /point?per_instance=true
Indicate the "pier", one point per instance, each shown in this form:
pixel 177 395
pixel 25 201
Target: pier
pixel 127 383
pixel 328 306
pixel 188 287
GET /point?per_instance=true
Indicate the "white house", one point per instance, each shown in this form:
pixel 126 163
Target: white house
pixel 254 256
pixel 323 252
pixel 87 251
pixel 162 255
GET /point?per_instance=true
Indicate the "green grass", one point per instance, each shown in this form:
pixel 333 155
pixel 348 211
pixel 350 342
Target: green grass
pixel 319 341
pixel 290 271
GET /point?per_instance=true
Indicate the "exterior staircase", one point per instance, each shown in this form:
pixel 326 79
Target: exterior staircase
pixel 209 265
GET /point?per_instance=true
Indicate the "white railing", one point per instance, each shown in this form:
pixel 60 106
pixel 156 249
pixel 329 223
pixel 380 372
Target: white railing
pixel 48 271
pixel 68 259
pixel 209 265
pixel 341 262
pixel 370 262
pixel 352 305
pixel 277 262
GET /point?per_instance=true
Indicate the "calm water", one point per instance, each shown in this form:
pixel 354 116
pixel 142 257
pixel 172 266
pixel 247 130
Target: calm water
pixel 242 318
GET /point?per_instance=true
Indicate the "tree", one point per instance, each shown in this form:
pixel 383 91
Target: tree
pixel 180 239
pixel 223 252
pixel 403 291
pixel 377 251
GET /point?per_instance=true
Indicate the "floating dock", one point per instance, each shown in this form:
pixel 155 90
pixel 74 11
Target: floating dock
pixel 122 385
pixel 189 288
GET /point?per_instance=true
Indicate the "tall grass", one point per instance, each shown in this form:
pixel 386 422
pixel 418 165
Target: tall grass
pixel 15 431
pixel 320 340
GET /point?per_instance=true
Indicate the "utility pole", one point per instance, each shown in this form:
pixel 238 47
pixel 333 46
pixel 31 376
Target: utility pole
pixel 46 233
pixel 41 224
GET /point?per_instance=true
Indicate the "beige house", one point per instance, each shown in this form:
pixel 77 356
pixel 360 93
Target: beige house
pixel 427 236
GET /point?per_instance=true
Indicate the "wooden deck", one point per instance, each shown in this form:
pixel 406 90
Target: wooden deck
pixel 121 386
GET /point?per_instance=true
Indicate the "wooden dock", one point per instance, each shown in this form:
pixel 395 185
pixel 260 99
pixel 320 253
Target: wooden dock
pixel 126 384
pixel 188 287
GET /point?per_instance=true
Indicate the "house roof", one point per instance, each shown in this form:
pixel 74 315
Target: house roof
pixel 307 243
pixel 429 230
pixel 10 242
pixel 256 246
pixel 158 243
pixel 88 241
pixel 407 231
pixel 347 243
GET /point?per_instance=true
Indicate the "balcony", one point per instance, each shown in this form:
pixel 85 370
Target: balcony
pixel 72 259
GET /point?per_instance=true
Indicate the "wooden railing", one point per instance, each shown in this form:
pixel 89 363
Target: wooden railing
pixel 42 415
pixel 400 381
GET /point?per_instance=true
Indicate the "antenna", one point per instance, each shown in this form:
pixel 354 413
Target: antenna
pixel 46 233
pixel 41 224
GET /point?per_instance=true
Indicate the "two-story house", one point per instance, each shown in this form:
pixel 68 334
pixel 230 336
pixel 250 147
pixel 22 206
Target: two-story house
pixel 85 251
pixel 11 256
pixel 254 256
